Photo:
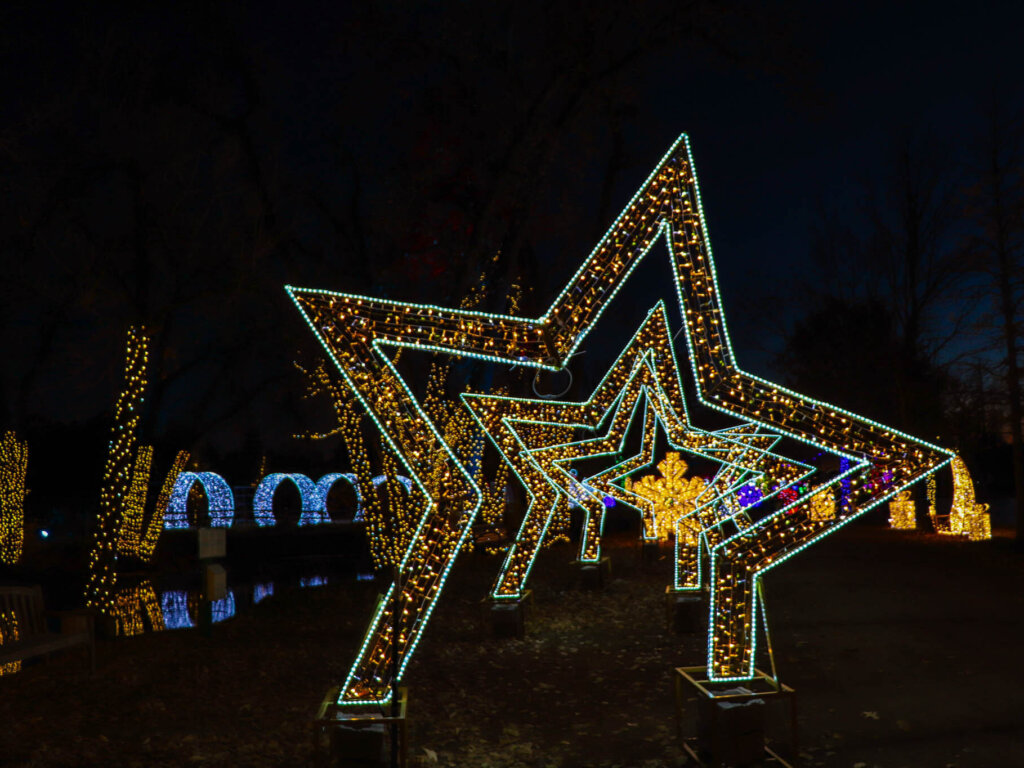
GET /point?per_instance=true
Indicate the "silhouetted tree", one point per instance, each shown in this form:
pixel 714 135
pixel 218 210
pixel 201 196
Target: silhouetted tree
pixel 996 250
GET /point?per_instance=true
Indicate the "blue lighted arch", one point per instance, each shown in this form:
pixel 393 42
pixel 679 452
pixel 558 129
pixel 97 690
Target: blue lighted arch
pixel 323 488
pixel 263 499
pixel 220 500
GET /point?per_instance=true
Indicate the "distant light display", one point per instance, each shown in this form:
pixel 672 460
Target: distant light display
pixel 323 490
pixel 902 514
pixel 163 502
pixel 359 333
pixel 220 500
pixel 966 516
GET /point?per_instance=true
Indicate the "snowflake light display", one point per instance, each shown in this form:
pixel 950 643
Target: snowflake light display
pixel 672 495
pixel 357 331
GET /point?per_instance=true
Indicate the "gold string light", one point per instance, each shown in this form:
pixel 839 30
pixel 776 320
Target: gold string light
pixel 357 331
pixel 13 468
pixel 134 508
pixel 147 546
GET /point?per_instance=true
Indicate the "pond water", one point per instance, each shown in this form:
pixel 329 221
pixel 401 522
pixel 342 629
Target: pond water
pixel 152 605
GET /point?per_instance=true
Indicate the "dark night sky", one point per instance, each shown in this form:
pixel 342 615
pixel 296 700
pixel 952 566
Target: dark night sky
pixel 769 153
pixel 769 148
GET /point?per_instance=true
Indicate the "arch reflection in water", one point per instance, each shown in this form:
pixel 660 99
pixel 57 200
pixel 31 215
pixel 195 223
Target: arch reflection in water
pixel 180 610
pixel 262 590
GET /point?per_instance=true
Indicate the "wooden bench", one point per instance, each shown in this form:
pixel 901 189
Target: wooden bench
pixel 25 605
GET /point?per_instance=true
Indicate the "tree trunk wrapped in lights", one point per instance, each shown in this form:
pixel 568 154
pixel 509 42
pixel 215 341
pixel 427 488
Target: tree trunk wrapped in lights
pixel 13 467
pixel 117 475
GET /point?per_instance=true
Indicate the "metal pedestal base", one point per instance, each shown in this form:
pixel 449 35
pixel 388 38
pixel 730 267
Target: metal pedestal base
pixel 360 737
pixel 506 617
pixel 732 720
pixel 686 612
pixel 594 575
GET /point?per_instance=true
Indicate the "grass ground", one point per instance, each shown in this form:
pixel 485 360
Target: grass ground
pixel 902 647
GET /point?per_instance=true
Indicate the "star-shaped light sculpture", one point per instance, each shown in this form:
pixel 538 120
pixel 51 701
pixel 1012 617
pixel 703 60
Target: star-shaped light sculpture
pixel 357 331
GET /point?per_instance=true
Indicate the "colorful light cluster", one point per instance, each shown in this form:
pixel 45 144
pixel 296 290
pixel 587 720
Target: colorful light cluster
pixel 13 468
pixel 357 331
pixel 719 511
pixel 966 516
pixel 117 474
pixel 902 511
pixel 133 519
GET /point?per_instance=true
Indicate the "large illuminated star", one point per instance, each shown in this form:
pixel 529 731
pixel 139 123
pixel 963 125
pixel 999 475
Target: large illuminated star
pixel 358 331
